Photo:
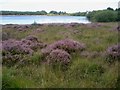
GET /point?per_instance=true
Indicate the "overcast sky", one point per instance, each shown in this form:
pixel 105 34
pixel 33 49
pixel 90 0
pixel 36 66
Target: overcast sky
pixel 58 5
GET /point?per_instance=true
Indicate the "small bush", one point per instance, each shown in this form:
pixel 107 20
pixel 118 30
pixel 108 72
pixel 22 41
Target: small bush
pixel 14 50
pixel 113 53
pixel 58 56
pixel 15 47
pixel 32 38
pixel 67 45
pixel 61 50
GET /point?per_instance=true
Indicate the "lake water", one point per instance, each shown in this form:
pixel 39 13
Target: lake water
pixel 42 19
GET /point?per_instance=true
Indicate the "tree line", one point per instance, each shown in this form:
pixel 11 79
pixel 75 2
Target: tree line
pixel 106 15
pixel 41 13
pixel 32 13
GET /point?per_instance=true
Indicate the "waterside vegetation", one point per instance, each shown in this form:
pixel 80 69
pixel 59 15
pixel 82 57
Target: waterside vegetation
pixel 60 55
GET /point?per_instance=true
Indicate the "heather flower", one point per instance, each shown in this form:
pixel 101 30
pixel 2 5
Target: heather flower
pixel 58 56
pixel 67 45
pixel 32 38
pixel 15 47
pixel 71 25
pixel 12 49
pixel 113 52
pixel 23 46
pixel 60 50
pixel 38 31
pixel 21 28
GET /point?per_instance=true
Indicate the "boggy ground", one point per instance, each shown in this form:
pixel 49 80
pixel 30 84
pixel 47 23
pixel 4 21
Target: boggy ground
pixel 90 68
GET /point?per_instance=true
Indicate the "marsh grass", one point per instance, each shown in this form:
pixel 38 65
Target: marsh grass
pixel 81 72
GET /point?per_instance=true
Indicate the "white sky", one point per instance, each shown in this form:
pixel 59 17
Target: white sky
pixel 58 5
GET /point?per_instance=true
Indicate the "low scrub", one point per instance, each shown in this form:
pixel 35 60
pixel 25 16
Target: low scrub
pixel 113 53
pixel 61 50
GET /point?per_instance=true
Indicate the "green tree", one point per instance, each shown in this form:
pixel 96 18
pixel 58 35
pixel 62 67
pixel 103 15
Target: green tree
pixel 53 12
pixel 105 16
pixel 109 8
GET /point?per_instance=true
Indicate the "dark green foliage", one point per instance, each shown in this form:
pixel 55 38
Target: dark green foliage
pixel 118 12
pixel 90 15
pixel 61 13
pixel 79 14
pixel 24 13
pixel 109 8
pixel 9 80
pixel 42 12
pixel 53 12
pixel 87 70
pixel 117 9
pixel 118 82
pixel 103 16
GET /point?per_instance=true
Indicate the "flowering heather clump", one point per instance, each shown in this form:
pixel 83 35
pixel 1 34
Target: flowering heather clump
pixel 58 56
pixel 32 45
pixel 12 48
pixel 60 50
pixel 70 25
pixel 15 47
pixel 32 38
pixel 21 27
pixel 113 52
pixel 13 51
pixel 67 45
pixel 38 31
pixel 22 46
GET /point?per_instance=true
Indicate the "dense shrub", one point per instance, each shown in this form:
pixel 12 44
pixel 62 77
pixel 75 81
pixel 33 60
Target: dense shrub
pixel 103 16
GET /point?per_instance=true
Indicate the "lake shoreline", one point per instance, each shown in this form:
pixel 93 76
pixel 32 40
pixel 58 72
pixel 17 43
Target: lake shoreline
pixel 39 19
pixel 61 23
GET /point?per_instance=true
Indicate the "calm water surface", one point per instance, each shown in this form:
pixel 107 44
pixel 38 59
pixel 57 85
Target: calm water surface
pixel 43 19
